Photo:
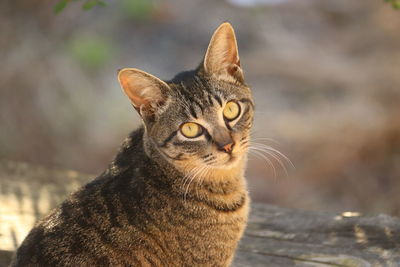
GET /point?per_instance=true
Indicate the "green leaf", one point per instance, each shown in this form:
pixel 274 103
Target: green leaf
pixel 138 9
pixel 60 6
pixel 89 4
pixel 92 3
pixel 395 4
pixel 101 3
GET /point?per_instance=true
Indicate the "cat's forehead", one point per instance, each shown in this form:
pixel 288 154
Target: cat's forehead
pixel 208 92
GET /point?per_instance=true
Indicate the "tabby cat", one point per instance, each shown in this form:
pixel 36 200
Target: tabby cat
pixel 175 194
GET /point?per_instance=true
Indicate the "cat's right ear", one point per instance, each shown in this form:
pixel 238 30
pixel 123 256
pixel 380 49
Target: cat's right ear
pixel 145 91
pixel 222 56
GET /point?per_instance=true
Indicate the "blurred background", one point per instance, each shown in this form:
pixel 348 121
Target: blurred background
pixel 325 77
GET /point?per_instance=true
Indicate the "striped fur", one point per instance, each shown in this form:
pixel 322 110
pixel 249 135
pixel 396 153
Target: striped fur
pixel 165 200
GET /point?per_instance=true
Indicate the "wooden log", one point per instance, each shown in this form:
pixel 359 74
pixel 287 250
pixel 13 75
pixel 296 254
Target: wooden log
pixel 27 193
pixel 275 236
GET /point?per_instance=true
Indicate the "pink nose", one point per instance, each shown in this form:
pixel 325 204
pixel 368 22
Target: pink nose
pixel 228 147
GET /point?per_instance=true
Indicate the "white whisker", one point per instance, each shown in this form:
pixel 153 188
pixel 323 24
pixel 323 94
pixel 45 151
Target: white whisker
pixel 265 158
pixel 201 168
pixel 266 139
pixel 188 176
pixel 202 177
pixel 272 155
pixel 275 151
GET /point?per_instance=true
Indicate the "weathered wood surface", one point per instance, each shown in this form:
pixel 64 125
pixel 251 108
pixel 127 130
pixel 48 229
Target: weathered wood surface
pixel 284 237
pixel 274 237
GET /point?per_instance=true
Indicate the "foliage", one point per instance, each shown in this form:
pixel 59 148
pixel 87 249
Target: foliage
pixel 90 51
pixel 395 3
pixel 138 9
pixel 87 5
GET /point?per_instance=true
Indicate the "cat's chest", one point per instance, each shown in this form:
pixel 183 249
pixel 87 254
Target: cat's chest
pixel 206 235
pixel 200 223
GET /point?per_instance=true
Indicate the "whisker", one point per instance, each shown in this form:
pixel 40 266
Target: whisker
pixel 276 151
pixel 266 139
pixel 191 180
pixel 202 177
pixel 266 159
pixel 274 156
pixel 188 176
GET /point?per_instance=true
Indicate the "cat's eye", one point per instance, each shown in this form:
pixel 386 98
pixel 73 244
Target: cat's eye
pixel 231 110
pixel 191 129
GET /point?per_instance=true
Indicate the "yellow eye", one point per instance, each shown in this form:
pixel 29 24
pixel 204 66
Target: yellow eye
pixel 191 129
pixel 231 110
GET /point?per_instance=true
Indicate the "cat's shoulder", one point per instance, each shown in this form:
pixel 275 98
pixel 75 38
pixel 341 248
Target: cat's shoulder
pixel 130 155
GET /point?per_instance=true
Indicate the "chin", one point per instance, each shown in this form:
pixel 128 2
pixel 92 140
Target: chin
pixel 229 162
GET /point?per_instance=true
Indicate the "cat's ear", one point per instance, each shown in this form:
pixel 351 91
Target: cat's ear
pixel 222 56
pixel 145 91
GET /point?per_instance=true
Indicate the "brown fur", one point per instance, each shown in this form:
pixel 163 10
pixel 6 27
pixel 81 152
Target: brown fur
pixel 166 200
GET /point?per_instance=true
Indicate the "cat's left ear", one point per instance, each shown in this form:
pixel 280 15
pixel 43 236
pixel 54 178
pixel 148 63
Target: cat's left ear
pixel 145 91
pixel 222 56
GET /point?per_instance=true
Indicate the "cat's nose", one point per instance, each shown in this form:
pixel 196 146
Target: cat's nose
pixel 223 140
pixel 226 147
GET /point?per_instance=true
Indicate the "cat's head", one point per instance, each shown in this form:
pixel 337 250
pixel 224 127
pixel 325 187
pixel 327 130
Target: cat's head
pixel 200 119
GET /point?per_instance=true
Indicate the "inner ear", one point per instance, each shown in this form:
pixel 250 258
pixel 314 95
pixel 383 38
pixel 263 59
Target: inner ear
pixel 145 91
pixel 222 56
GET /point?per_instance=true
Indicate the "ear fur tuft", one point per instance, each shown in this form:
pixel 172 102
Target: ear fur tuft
pixel 222 56
pixel 144 90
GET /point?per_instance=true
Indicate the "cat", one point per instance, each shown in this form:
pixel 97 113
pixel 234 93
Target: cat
pixel 175 195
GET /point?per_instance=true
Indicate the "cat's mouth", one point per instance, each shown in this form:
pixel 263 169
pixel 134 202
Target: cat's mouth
pixel 232 158
pixel 229 161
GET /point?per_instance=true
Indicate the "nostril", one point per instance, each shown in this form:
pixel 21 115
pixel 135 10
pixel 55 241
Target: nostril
pixel 223 141
pixel 227 147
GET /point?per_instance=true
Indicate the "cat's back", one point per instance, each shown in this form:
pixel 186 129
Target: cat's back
pixel 77 233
